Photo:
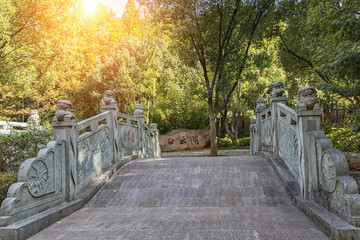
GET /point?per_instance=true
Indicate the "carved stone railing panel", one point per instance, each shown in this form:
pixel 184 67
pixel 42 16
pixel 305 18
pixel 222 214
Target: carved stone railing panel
pixel 149 144
pixel 266 129
pixel 81 152
pixel 32 122
pixel 129 134
pixel 331 185
pixel 40 186
pixel 288 148
pixel 295 137
pixel 94 155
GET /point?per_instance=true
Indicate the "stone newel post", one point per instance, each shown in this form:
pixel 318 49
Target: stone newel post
pixel 139 114
pixel 64 124
pixel 154 130
pixel 110 104
pixel 34 120
pixel 260 106
pixel 308 114
pixel 278 95
pixel 253 136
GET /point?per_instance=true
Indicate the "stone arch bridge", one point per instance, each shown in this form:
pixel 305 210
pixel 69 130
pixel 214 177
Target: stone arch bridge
pixel 105 178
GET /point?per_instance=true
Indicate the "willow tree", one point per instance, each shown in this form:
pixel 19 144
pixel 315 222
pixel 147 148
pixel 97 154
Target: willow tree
pixel 216 35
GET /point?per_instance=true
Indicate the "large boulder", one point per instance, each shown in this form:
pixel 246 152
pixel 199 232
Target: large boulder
pixel 353 160
pixel 185 139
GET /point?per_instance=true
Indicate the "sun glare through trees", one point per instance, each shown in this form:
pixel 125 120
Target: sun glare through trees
pixel 90 5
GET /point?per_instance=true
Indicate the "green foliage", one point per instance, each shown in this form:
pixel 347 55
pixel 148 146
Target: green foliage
pixel 225 141
pixel 136 70
pixel 345 136
pixel 243 142
pixel 319 44
pixel 6 179
pixel 180 109
pixel 16 147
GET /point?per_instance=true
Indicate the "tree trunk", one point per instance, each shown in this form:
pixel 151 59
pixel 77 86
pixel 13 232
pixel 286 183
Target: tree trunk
pixel 213 139
pixel 232 128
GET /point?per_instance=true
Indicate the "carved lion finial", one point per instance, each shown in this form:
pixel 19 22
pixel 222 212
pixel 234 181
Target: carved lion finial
pixel 260 104
pixel 139 113
pixel 308 100
pixel 34 116
pixel 63 112
pixel 153 128
pixel 252 123
pixel 109 98
pixel 278 89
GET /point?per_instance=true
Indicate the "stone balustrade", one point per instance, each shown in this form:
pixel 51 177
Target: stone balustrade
pixel 32 122
pixel 296 138
pixel 80 152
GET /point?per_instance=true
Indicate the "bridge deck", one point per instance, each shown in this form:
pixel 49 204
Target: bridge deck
pixel 232 197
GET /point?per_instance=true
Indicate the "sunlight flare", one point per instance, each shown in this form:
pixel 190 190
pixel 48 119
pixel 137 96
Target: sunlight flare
pixel 90 5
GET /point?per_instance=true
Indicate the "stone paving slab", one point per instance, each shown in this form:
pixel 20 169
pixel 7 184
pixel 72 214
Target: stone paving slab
pixel 180 198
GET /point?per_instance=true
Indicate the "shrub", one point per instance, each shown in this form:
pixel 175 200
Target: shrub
pixel 345 139
pixel 345 136
pixel 6 179
pixel 16 147
pixel 243 142
pixel 225 141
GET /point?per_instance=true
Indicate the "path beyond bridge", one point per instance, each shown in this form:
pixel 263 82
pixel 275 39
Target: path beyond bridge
pixel 184 197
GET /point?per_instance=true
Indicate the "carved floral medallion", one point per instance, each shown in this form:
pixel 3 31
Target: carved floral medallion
pixel 38 178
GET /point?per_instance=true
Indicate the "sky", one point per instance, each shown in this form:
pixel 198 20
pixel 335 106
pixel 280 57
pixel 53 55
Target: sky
pixel 117 6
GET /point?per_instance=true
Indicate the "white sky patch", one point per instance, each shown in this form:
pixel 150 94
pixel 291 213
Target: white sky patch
pixel 117 6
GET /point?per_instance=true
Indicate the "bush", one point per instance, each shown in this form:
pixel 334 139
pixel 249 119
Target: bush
pixel 345 139
pixel 16 147
pixel 243 142
pixel 346 136
pixel 225 141
pixel 6 179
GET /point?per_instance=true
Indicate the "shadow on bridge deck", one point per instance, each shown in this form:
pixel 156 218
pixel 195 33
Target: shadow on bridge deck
pixel 229 197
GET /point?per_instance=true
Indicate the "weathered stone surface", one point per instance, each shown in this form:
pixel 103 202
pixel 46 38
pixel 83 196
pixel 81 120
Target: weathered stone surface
pixel 277 89
pixel 81 153
pixel 260 105
pixel 64 111
pixel 189 198
pixel 334 226
pixel 34 119
pixel 295 136
pixel 139 112
pixel 353 160
pixel 109 98
pixel 308 99
pixel 184 139
pixel 40 186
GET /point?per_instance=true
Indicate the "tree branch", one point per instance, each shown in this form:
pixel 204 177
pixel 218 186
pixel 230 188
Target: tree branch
pixel 308 62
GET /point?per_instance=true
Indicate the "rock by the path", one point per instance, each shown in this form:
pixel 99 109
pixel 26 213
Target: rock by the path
pixel 353 160
pixel 184 139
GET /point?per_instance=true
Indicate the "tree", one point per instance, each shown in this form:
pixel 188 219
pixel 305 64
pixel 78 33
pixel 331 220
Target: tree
pixel 131 19
pixel 136 70
pixel 219 35
pixel 320 41
pixel 33 36
pixel 46 49
pixel 263 68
